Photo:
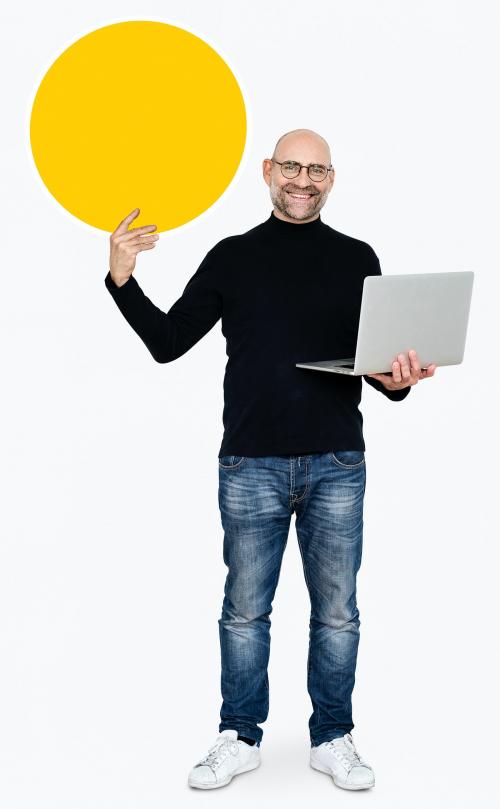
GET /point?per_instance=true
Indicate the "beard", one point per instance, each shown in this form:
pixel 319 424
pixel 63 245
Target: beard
pixel 295 209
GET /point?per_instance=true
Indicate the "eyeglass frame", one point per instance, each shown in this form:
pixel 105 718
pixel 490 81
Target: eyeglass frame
pixel 328 169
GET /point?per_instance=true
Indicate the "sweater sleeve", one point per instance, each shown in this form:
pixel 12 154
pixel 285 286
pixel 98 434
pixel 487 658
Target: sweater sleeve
pixel 168 335
pixel 394 395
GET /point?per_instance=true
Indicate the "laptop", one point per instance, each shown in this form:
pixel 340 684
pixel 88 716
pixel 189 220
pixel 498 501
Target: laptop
pixel 425 311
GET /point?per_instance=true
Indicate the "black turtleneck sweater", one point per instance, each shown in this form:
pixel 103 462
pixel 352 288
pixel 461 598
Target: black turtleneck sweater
pixel 286 292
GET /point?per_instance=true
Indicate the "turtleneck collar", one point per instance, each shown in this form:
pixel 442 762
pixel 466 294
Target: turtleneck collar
pixel 293 228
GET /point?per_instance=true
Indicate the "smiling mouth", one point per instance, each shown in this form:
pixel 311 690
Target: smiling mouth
pixel 300 196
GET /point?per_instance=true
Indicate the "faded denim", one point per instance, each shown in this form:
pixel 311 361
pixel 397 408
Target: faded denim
pixel 257 497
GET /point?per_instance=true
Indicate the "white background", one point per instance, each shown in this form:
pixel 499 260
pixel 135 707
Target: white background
pixel 111 569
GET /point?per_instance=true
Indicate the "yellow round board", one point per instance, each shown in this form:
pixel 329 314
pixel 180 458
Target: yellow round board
pixel 138 114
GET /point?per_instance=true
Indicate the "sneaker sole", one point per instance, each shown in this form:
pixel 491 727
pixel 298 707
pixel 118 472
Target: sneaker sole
pixel 341 784
pixel 247 768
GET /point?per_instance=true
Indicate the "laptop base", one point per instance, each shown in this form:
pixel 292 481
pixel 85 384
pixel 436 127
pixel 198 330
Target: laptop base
pixel 345 366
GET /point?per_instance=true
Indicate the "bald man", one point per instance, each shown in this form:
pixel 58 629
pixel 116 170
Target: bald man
pixel 286 290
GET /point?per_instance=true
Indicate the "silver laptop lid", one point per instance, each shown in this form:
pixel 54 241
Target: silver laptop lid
pixel 425 311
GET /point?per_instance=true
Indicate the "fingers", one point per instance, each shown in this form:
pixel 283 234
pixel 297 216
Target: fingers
pixel 123 226
pixel 405 368
pixel 396 371
pixel 136 231
pixel 401 371
pixel 429 371
pixel 405 373
pixel 417 372
pixel 410 372
pixel 131 235
pixel 122 233
pixel 153 237
pixel 415 363
pixel 132 248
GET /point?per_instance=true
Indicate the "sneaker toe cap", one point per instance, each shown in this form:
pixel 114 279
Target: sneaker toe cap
pixel 361 775
pixel 202 775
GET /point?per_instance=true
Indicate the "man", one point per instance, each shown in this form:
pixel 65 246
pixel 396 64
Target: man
pixel 288 290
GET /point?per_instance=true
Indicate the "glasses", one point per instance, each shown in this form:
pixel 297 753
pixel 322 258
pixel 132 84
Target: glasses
pixel 316 171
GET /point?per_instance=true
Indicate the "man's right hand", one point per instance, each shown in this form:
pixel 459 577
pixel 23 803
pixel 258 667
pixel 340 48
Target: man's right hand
pixel 125 244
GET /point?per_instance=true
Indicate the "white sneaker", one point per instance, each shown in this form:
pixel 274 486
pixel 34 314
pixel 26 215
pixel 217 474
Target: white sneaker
pixel 340 759
pixel 228 756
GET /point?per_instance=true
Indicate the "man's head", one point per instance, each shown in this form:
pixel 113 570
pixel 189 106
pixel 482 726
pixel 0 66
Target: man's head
pixel 307 148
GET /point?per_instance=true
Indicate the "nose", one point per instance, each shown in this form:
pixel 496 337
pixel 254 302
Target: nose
pixel 297 180
pixel 305 175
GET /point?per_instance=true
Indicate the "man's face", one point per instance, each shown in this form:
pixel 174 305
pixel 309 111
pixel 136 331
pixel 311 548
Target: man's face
pixel 299 199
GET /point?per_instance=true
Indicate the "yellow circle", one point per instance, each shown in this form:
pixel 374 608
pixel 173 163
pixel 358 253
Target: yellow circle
pixel 138 114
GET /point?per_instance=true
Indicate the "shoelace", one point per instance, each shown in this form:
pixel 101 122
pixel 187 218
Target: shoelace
pixel 345 751
pixel 218 752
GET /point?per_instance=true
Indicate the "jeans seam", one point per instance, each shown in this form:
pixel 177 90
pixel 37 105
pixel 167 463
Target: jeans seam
pixel 335 460
pixel 232 466
pixel 304 567
pixel 294 499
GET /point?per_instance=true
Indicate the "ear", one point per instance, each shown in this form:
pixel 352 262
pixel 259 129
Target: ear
pixel 266 170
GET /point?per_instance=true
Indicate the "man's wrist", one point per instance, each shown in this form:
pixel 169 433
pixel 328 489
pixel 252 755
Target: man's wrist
pixel 119 282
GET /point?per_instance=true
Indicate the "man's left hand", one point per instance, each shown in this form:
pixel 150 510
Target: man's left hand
pixel 405 373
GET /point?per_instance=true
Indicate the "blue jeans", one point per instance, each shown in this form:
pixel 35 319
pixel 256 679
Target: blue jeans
pixel 257 497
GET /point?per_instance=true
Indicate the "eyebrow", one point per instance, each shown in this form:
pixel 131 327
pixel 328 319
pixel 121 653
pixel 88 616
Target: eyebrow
pixel 307 164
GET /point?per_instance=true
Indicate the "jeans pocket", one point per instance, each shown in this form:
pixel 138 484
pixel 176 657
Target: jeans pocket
pixel 348 458
pixel 231 461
